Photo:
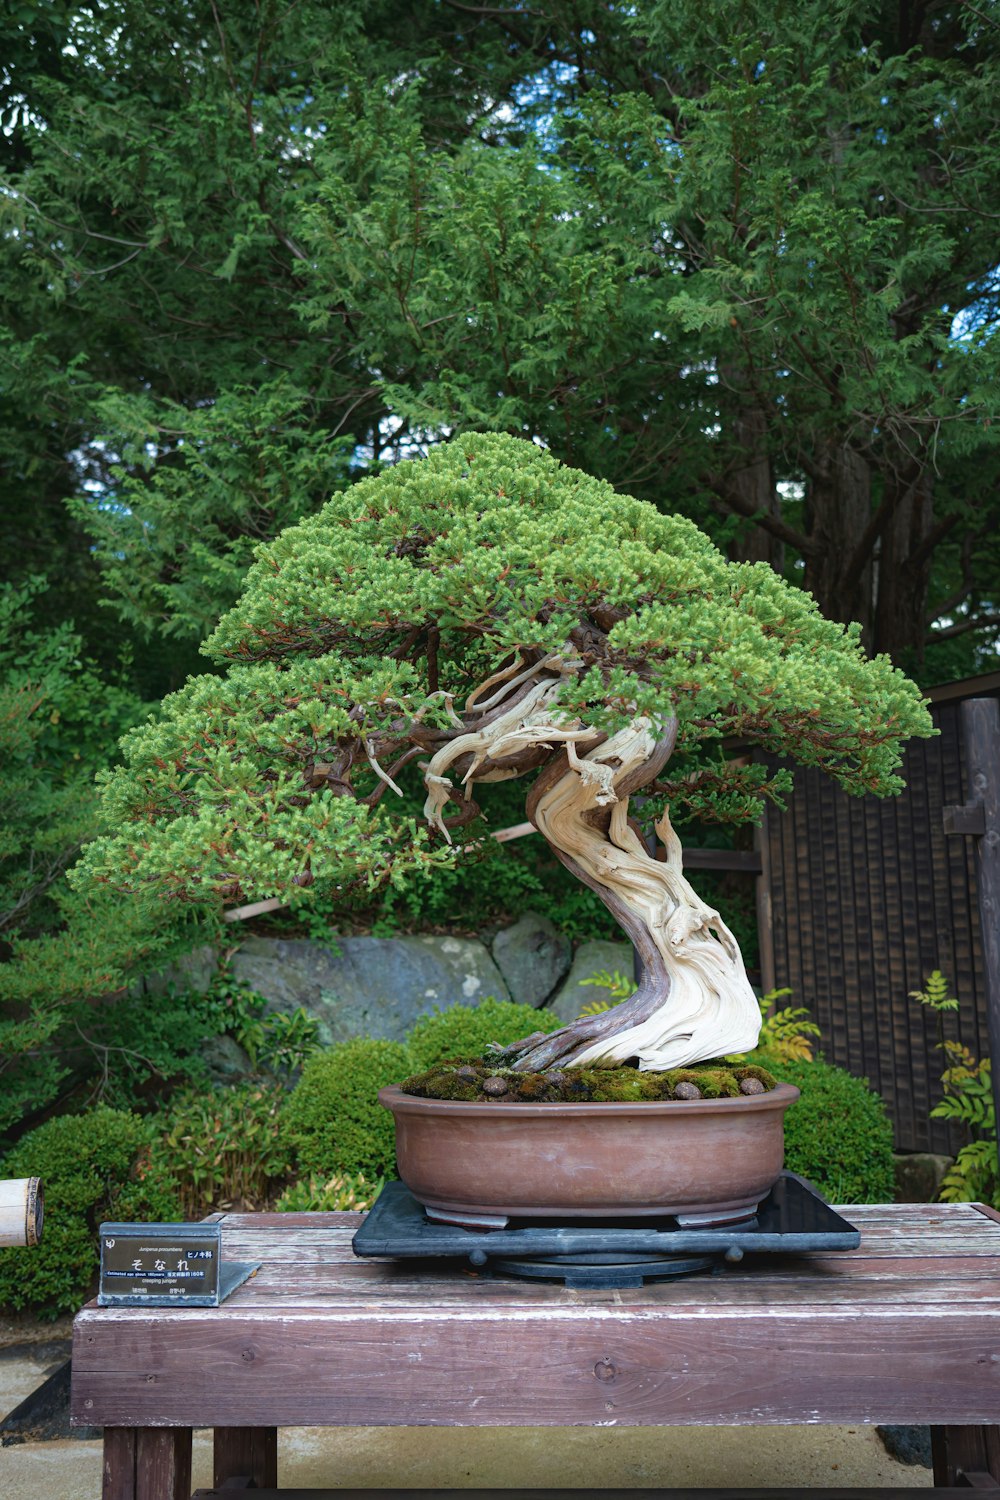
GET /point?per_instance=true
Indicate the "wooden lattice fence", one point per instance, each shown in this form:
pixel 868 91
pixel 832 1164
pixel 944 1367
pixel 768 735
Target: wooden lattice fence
pixel 859 899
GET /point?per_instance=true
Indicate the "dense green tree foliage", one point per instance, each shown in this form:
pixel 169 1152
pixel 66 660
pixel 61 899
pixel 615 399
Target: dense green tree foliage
pixel 737 260
pixel 489 572
pixel 713 255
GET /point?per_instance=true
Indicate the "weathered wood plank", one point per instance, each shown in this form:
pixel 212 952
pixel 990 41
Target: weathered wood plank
pixel 692 1367
pixel 471 1296
pixel 312 1283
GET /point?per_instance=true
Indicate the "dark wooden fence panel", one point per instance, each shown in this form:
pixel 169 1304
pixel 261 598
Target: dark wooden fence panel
pixel 863 899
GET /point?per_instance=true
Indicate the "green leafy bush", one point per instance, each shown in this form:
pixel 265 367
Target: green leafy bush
pixel 220 1147
pixel 128 1051
pixel 974 1176
pixel 467 1030
pixel 86 1163
pixel 338 1193
pixel 277 1042
pixel 332 1119
pixel 837 1134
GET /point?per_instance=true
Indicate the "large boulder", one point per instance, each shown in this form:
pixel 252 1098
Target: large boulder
pixel 532 957
pixel 919 1175
pixel 591 959
pixel 365 986
pixel 192 971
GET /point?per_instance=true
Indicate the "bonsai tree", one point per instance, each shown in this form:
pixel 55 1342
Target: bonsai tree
pixel 483 614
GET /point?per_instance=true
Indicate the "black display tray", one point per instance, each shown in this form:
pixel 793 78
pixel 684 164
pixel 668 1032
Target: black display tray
pixel 792 1218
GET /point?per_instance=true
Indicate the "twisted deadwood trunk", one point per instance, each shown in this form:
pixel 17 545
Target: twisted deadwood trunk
pixel 694 1001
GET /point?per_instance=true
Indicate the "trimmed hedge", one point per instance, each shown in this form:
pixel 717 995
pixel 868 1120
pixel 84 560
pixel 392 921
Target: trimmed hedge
pixel 86 1164
pixel 467 1030
pixel 837 1134
pixel 333 1120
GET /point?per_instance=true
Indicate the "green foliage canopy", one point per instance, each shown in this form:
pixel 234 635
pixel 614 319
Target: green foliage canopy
pixel 715 253
pixel 363 626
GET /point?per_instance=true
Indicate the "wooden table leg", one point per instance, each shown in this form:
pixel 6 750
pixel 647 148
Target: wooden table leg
pixel 961 1452
pixel 147 1463
pixel 249 1453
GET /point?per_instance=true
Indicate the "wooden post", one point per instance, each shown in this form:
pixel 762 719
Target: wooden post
pixel 248 1453
pixel 980 819
pixel 965 1456
pixel 765 910
pixel 147 1463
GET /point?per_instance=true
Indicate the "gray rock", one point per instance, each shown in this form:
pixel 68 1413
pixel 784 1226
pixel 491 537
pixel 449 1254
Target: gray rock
pixel 364 986
pixel 590 958
pixel 226 1060
pixel 532 957
pixel 919 1175
pixel 192 971
pixel 907 1445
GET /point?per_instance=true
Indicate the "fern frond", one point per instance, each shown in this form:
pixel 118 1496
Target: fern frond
pixel 975 1175
pixel 619 984
pixel 595 1008
pixel 935 994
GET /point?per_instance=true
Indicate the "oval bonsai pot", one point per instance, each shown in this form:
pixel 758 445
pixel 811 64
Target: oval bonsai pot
pixel 710 1158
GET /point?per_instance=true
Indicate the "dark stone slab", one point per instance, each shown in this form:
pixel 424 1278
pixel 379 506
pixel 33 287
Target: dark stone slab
pixel 907 1445
pixel 44 1415
pixel 365 986
pixel 532 957
pixel 590 959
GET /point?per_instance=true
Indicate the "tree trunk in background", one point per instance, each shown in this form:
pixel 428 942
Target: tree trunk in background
pixel 749 486
pixel 838 508
pixel 904 568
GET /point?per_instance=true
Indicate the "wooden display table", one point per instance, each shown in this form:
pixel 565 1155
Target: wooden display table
pixel 905 1329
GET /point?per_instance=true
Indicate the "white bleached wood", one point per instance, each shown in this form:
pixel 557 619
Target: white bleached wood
pixel 709 1008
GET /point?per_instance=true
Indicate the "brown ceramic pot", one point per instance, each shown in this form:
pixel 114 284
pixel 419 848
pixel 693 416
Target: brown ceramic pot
pixel 705 1157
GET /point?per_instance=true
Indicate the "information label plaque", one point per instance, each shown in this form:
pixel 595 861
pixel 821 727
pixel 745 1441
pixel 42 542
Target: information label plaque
pixel 166 1265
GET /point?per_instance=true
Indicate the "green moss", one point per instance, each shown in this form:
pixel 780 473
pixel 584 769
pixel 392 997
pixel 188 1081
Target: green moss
pixel 468 1030
pixel 464 1079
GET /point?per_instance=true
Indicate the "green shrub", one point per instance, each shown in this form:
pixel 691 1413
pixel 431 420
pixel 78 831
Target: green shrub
pixel 220 1147
pixel 330 1195
pixel 837 1134
pixel 86 1165
pixel 467 1030
pixel 276 1042
pixel 332 1119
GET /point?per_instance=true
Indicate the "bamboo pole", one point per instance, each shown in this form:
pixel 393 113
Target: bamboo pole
pixel 21 1210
